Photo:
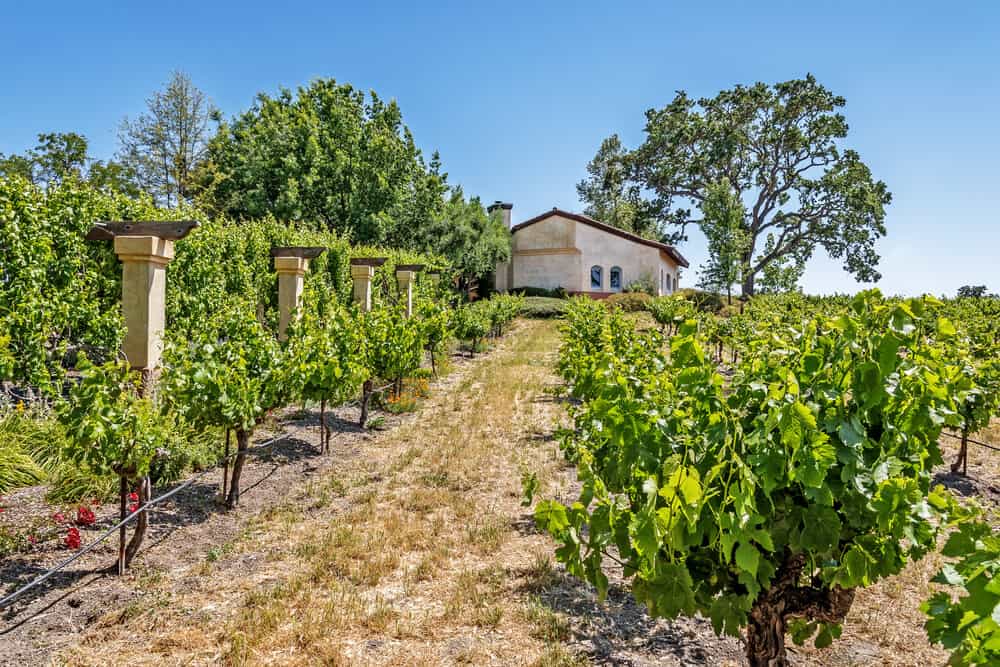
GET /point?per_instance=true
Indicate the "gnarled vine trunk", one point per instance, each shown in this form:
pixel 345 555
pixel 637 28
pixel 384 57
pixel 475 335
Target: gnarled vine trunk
pixel 141 521
pixel 783 601
pixel 242 444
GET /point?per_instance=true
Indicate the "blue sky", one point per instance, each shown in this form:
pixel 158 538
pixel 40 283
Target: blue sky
pixel 517 97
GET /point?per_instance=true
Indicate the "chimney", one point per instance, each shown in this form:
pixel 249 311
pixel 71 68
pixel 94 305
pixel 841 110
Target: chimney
pixel 504 211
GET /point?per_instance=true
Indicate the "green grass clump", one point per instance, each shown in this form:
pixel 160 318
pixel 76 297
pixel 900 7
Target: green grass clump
pixel 541 307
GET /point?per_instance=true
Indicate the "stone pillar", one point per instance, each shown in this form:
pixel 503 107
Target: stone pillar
pixel 291 281
pixel 361 275
pixel 144 291
pixel 405 280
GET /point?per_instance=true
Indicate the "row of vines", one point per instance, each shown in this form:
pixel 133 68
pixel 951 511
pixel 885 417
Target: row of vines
pixel 224 371
pixel 758 469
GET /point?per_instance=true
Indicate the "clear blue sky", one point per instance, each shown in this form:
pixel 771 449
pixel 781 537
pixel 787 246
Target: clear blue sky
pixel 518 97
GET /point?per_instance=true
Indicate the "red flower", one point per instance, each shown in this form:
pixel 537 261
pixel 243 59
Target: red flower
pixel 33 539
pixel 84 516
pixel 58 517
pixel 72 539
pixel 133 507
pixel 134 497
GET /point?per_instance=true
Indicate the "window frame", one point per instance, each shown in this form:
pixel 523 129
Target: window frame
pixel 600 277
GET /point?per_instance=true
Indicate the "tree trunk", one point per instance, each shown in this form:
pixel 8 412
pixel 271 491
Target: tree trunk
pixel 225 465
pixel 962 462
pixel 748 285
pixel 366 395
pixel 322 426
pixel 242 444
pixel 766 635
pixel 141 522
pixel 784 600
pixel 122 513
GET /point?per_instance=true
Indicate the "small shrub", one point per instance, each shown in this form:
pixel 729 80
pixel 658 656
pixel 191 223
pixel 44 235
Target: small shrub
pixel 644 285
pixel 709 302
pixel 539 307
pixel 630 302
pixel 557 293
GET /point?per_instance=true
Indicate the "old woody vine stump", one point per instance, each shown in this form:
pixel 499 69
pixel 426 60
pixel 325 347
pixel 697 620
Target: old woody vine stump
pixel 764 502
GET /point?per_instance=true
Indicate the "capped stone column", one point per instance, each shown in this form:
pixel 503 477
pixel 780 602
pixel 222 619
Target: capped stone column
pixel 291 264
pixel 406 275
pixel 144 249
pixel 362 272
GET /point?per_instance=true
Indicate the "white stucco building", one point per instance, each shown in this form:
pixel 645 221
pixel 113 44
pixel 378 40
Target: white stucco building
pixel 583 256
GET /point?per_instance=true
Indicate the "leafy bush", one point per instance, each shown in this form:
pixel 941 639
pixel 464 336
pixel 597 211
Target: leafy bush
pixel 112 430
pixel 501 310
pixel 471 323
pixel 540 307
pixel 766 500
pixel 704 301
pixel 556 293
pixel 644 285
pixel 967 626
pixel 229 377
pixel 630 302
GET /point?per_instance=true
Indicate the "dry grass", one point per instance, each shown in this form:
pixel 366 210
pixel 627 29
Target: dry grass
pixel 417 561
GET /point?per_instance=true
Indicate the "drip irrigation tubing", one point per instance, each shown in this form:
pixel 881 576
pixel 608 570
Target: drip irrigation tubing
pixel 974 442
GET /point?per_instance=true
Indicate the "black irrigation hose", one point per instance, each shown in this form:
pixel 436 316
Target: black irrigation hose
pixel 5 602
pixel 975 442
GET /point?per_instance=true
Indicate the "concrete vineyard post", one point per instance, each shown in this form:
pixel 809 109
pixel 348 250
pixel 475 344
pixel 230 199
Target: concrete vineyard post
pixel 406 274
pixel 362 273
pixel 291 264
pixel 144 293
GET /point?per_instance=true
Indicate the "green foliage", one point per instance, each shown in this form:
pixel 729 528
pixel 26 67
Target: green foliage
pixel 773 489
pixel 325 154
pixel 393 343
pixel 229 376
pixel 471 323
pixel 321 358
pixel 469 238
pixel 968 626
pixel 539 307
pixel 110 429
pixel 556 293
pixel 631 302
pixel 500 310
pixel 728 242
pixel 670 311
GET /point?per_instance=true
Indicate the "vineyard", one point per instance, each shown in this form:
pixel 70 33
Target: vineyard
pixel 760 469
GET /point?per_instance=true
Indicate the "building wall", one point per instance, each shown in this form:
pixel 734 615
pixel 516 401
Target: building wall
pixel 559 252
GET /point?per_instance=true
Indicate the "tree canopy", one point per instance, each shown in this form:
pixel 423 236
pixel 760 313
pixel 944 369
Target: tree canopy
pixel 779 148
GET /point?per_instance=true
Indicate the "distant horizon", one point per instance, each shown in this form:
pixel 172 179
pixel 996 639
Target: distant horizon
pixel 517 103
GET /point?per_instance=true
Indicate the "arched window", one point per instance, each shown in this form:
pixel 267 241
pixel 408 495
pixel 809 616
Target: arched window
pixel 616 278
pixel 596 277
